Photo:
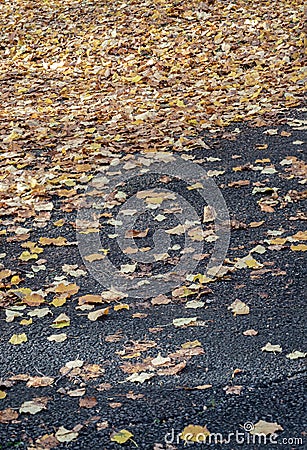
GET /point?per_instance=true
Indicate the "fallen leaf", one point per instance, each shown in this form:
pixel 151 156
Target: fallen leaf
pixel 160 360
pixel 271 348
pixel 209 214
pixel 40 381
pixel 94 257
pixel 87 402
pixel 239 308
pixel 234 390
pixel 121 437
pixel 76 392
pixel 7 415
pixel 297 354
pixel 17 339
pixel 184 321
pixel 89 299
pixel 57 337
pixel 94 315
pixel 194 433
pixel 140 377
pixel 61 321
pixel 160 300
pixel 33 406
pixel 64 435
pixel 263 427
pixel 191 344
pixel 299 248
pixel 250 332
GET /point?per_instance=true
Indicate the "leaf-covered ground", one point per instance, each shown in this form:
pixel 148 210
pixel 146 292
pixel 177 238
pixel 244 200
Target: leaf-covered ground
pixel 91 86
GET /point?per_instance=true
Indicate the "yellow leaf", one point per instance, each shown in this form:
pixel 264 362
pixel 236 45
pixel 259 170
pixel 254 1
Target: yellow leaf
pixel 180 103
pixel 26 321
pixel 15 279
pixel 59 223
pixel 136 79
pixel 278 241
pixel 17 339
pixel 121 306
pixel 26 255
pixel 195 433
pixel 299 248
pixel 61 321
pixel 191 344
pixel 58 301
pixel 2 395
pixel 300 236
pixel 59 241
pixel 121 436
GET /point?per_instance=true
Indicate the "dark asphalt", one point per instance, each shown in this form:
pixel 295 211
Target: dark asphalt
pixel 273 385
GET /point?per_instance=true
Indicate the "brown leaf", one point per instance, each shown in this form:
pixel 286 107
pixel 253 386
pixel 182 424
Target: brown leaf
pixel 236 390
pixel 7 415
pixel 40 381
pixel 250 332
pixel 88 402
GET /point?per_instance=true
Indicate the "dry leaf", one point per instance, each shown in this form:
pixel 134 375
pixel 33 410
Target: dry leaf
pixel 209 214
pixel 236 390
pixel 160 360
pixel 297 354
pixel 191 344
pixel 250 332
pixel 18 339
pixel 33 406
pixel 271 348
pixel 184 321
pixel 57 337
pixel 194 433
pixel 64 435
pixel 140 377
pixel 94 315
pixel 40 381
pixel 7 415
pixel 160 300
pixel 61 321
pixel 87 402
pixel 121 437
pixel 263 427
pixel 89 299
pixel 239 308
